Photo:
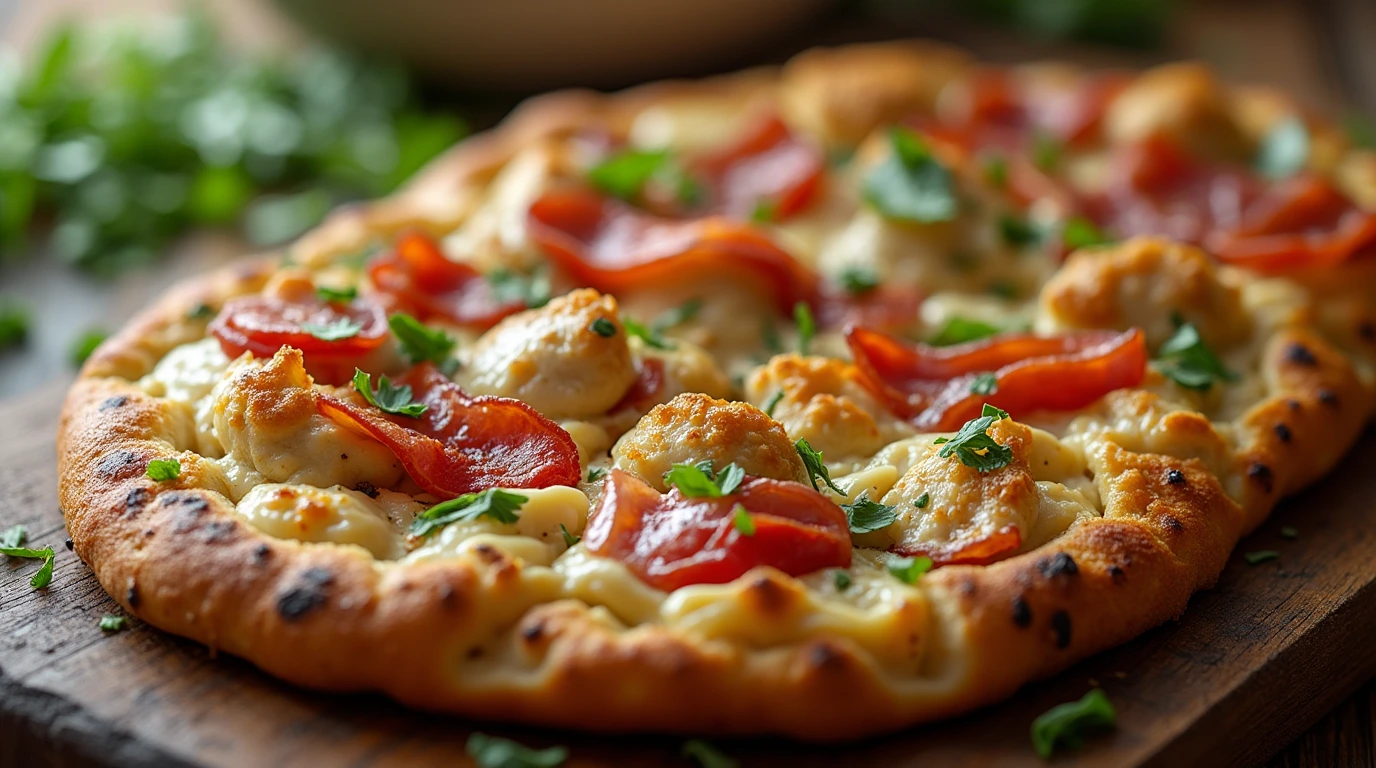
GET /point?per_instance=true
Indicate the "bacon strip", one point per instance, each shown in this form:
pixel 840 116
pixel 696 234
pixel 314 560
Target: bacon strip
pixel 464 444
pixel 670 541
pixel 770 166
pixel 613 247
pixel 930 386
pixel 416 277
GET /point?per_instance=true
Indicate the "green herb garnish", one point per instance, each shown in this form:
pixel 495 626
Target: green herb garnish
pixel 336 295
pixel 973 446
pixel 909 569
pixel 596 473
pixel 1046 151
pixel 911 184
pixel 841 579
pixel 508 287
pixel 697 481
pixel 495 503
pixel 996 171
pixel 706 756
pixel 569 538
pixel 807 327
pixel 1067 725
pixel 773 403
pixel 603 327
pixel 85 345
pixel 44 575
pixel 859 280
pixel 984 384
pixel 493 752
pixel 650 336
pixel 14 324
pixel 163 470
pixel 387 398
pixel 625 174
pixel 922 501
pixel 1185 359
pixel 812 460
pixel 1018 231
pixel 1079 232
pixel 866 515
pixel 959 330
pixel 335 330
pixel 677 316
pixel 1284 151
pixel 1289 532
pixel 110 623
pixel 764 211
pixel 745 524
pixel 1260 556
pixel 14 537
pixel 421 343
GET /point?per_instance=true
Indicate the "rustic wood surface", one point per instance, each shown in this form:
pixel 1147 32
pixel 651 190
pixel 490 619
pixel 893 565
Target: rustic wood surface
pixel 1253 663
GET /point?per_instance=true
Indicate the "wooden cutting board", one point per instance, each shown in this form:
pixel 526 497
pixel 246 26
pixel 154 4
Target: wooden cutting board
pixel 1252 663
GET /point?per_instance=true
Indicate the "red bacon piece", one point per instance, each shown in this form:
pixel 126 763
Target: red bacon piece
pixel 770 166
pixel 464 444
pixel 416 277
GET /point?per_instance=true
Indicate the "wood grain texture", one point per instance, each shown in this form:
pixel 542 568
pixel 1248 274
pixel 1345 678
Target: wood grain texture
pixel 1253 662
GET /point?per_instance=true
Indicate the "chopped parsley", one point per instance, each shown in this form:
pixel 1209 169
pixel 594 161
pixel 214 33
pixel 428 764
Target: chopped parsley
pixel 650 336
pixel 163 470
pixel 14 537
pixel 14 325
pixel 1018 231
pixel 959 330
pixel 495 503
pixel 1289 532
pixel 1260 556
pixel 807 327
pixel 625 174
pixel 110 623
pixel 697 481
pixel 773 403
pixel 973 446
pixel 922 501
pixel 336 295
pixel 421 343
pixel 1046 151
pixel 744 523
pixel 984 384
pixel 677 316
pixel 596 473
pixel 389 399
pixel 603 327
pixel 336 330
pixel 859 280
pixel 911 184
pixel 201 311
pixel 1079 232
pixel 1067 725
pixel 493 752
pixel 510 287
pixel 705 755
pixel 909 569
pixel 996 171
pixel 44 575
pixel 841 579
pixel 85 345
pixel 1185 359
pixel 569 538
pixel 765 211
pixel 866 515
pixel 1284 151
pixel 812 460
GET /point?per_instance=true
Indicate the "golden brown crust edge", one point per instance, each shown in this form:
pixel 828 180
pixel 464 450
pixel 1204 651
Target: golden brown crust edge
pixel 329 617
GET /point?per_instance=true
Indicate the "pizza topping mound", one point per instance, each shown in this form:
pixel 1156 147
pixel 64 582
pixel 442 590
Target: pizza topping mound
pixel 941 388
pixel 459 444
pixel 675 539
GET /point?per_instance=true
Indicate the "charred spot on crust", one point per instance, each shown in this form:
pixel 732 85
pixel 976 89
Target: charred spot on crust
pixel 1059 564
pixel 1293 404
pixel 1117 573
pixel 769 595
pixel 1328 396
pixel 476 652
pixel 1022 612
pixel 1299 354
pixel 367 489
pixel 306 596
pixel 534 631
pixel 217 531
pixel 1367 330
pixel 1060 624
pixel 119 465
pixel 137 499
pixel 187 510
pixel 131 596
pixel 821 655
pixel 1262 474
pixel 117 401
pixel 490 554
pixel 1173 523
pixel 1175 477
pixel 1283 432
pixel 261 553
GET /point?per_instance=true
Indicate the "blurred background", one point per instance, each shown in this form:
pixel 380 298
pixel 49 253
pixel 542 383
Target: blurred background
pixel 145 140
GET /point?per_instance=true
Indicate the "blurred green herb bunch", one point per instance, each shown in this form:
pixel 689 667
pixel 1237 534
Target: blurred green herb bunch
pixel 118 139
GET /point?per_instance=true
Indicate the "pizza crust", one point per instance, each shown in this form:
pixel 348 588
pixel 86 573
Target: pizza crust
pixel 482 631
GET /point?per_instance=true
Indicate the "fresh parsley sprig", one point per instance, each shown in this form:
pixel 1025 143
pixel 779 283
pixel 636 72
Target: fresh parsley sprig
pixel 1185 359
pixel 495 503
pixel 1067 725
pixel 807 326
pixel 493 752
pixel 911 184
pixel 336 295
pixel 698 480
pixel 973 446
pixel 959 330
pixel 909 569
pixel 164 470
pixel 387 398
pixel 650 336
pixel 12 545
pixel 421 343
pixel 335 330
pixel 816 469
pixel 866 515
